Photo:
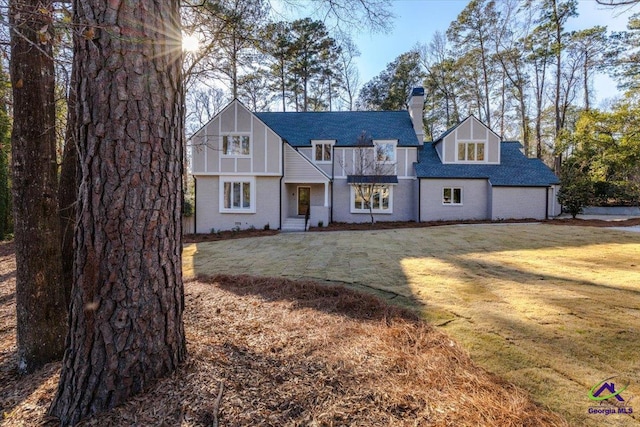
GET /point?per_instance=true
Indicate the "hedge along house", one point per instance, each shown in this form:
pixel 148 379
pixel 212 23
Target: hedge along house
pixel 288 170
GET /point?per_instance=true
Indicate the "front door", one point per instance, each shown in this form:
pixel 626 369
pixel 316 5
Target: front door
pixel 304 200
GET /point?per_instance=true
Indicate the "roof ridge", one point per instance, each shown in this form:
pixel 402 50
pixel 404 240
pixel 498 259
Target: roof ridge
pixel 330 112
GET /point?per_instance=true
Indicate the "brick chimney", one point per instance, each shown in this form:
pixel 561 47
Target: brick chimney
pixel 415 105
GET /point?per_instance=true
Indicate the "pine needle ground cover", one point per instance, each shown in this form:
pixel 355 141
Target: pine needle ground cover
pixel 276 352
pixel 552 309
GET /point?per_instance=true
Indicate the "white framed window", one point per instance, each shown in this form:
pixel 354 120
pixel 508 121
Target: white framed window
pixel 385 151
pixel 452 196
pixel 236 145
pixel 380 197
pixel 471 151
pixel 237 195
pixel 322 151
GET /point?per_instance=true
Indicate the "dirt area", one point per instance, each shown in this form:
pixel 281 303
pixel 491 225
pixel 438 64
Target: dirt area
pixel 553 309
pixel 288 353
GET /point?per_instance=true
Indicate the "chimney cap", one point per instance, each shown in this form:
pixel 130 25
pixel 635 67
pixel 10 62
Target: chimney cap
pixel 417 91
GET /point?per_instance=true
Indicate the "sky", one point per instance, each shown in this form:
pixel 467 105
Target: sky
pixel 417 20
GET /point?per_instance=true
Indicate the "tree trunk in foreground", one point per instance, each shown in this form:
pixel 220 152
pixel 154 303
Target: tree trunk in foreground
pixel 127 301
pixel 41 304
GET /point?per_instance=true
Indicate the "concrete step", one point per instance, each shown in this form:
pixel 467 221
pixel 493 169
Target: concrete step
pixel 293 224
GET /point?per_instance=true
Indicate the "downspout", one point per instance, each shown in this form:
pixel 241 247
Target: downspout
pixel 281 178
pixel 333 171
pixel 195 205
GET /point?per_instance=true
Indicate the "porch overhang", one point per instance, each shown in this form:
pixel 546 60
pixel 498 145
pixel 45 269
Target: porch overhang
pixel 372 179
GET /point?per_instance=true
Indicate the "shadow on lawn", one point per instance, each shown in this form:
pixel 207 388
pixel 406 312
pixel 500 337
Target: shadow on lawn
pixel 306 294
pixel 569 323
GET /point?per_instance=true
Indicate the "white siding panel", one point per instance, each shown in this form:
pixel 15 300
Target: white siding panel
pixel 243 117
pixel 298 169
pixel 274 144
pixel 212 144
pixel 197 153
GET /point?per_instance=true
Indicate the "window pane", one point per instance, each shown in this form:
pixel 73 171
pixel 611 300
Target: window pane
pixel 471 151
pixel 245 145
pixel 457 195
pixel 446 195
pixel 480 151
pixel 327 152
pixel 384 152
pixel 236 195
pixel 225 144
pixel 461 152
pixel 385 197
pixel 246 195
pixel 358 201
pixel 318 152
pixel 227 195
pixel 375 200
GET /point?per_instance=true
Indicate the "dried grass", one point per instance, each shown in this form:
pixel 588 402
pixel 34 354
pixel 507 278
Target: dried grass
pixel 289 353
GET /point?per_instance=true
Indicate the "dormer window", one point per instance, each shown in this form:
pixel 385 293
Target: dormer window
pixel 471 151
pixel 385 151
pixel 322 151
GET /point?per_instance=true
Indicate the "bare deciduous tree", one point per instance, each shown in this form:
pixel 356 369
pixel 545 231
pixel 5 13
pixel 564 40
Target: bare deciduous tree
pixel 372 169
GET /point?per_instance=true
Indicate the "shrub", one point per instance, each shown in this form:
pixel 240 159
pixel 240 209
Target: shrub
pixel 187 208
pixel 574 196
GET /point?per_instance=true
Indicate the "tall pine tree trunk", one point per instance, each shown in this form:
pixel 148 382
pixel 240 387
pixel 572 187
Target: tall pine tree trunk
pixel 127 301
pixel 41 308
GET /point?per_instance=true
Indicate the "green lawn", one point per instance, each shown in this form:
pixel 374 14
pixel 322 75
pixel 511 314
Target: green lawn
pixel 553 309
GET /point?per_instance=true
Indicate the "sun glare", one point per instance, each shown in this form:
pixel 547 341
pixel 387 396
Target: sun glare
pixel 190 43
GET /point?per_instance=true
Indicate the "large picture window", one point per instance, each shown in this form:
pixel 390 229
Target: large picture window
pixel 451 196
pixel 378 196
pixel 236 145
pixel 237 195
pixel 471 151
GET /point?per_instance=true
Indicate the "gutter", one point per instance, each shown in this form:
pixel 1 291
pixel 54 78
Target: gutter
pixel 284 141
pixel 546 205
pixel 333 174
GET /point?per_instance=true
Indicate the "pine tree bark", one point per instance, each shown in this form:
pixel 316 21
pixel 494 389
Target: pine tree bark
pixel 41 308
pixel 127 301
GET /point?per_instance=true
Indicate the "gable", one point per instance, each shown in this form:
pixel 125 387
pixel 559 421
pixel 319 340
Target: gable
pixel 470 141
pixel 515 169
pixel 262 157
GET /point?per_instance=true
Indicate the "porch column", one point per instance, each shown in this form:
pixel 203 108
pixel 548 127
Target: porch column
pixel 326 194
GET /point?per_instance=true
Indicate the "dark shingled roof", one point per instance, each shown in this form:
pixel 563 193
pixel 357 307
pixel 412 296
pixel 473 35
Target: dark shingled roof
pixel 515 169
pixel 372 179
pixel 298 129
